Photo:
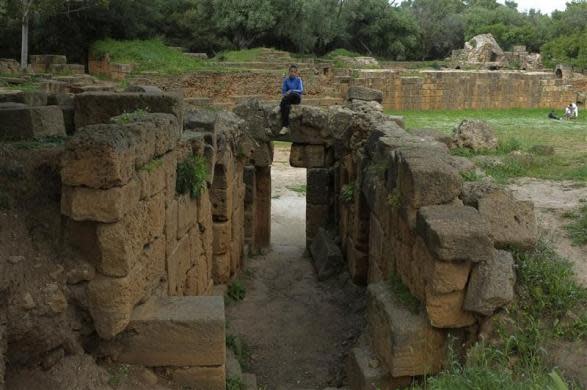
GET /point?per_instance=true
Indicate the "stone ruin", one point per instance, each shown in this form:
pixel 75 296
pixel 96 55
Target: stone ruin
pixel 483 52
pixel 140 261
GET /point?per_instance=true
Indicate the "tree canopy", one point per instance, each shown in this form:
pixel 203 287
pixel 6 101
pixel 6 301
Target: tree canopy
pixel 408 30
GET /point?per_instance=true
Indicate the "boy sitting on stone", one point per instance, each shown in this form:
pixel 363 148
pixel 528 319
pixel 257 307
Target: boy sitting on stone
pixel 291 90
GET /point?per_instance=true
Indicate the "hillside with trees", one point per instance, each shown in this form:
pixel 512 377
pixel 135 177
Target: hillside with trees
pixel 409 30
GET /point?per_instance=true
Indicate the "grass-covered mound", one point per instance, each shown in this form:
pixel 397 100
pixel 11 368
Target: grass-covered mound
pixel 147 56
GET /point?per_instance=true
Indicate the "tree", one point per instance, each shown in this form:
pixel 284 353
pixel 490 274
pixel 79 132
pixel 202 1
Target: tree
pixel 244 21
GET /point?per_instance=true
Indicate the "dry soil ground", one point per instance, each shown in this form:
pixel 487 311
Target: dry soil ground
pixel 299 330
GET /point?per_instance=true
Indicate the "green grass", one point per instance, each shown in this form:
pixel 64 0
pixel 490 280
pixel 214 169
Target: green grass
pixel 191 176
pixel 577 229
pixel 347 193
pixel 236 291
pixel 519 129
pixel 300 189
pixel 240 348
pixel 546 292
pixel 129 117
pixel 148 56
pixel 341 52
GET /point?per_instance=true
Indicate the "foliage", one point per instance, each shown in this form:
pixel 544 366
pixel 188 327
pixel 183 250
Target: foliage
pixel 518 131
pixel 577 229
pixel 118 374
pixel 149 55
pixel 240 348
pixel 236 291
pixel 234 384
pixel 515 357
pixel 129 117
pixel 191 176
pixel 408 30
pixel 347 193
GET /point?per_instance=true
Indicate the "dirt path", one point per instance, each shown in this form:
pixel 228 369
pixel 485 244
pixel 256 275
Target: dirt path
pixel 551 200
pixel 298 330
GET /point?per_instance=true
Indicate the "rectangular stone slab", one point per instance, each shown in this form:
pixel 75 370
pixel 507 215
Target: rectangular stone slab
pixel 175 331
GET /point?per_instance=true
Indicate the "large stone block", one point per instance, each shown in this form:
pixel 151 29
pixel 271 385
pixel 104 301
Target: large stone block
pixel 310 156
pixel 98 107
pixel 178 265
pixel 358 263
pixel 365 371
pixel 406 342
pixel 107 155
pixel 364 93
pixel 107 206
pixel 328 260
pixel 319 186
pixel 209 378
pixel 222 236
pixel 221 268
pixel 317 216
pixel 455 233
pixel 512 222
pixel 187 214
pixel 175 331
pixel 446 310
pixel 112 300
pixel 425 178
pixel 491 285
pixel 120 243
pixel 309 125
pixel 17 123
pixel 263 210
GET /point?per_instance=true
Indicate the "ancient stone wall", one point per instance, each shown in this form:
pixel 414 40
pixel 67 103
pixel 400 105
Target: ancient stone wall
pixel 404 220
pixel 402 90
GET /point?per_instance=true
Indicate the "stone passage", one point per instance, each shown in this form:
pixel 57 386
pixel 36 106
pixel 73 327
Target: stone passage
pixel 404 220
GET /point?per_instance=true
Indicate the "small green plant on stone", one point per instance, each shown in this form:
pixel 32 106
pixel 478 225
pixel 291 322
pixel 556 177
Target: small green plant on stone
pixel 471 176
pixel 152 165
pixel 133 116
pixel 394 200
pixel 5 201
pixel 403 294
pixel 234 384
pixel 191 176
pixel 236 291
pixel 240 348
pixel 347 193
pixel 118 374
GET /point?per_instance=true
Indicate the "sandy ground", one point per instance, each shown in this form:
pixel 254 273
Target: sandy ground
pixel 551 200
pixel 299 330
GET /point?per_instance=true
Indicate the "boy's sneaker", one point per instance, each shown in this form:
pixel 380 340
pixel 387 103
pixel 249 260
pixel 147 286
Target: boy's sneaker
pixel 284 131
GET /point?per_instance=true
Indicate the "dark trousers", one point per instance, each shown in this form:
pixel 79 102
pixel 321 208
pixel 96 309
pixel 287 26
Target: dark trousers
pixel 286 102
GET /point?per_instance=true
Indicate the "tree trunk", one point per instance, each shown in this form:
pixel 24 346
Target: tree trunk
pixel 24 50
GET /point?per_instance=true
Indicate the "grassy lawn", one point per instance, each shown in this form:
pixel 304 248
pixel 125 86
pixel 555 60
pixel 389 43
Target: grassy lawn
pixel 520 129
pixel 149 56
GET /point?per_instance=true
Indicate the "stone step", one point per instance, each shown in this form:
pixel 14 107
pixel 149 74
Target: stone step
pixel 366 372
pixel 402 336
pixel 17 123
pixel 174 332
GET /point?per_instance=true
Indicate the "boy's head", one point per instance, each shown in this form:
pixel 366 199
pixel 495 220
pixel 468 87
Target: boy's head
pixel 293 70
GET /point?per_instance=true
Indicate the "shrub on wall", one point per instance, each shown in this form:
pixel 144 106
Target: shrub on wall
pixel 191 176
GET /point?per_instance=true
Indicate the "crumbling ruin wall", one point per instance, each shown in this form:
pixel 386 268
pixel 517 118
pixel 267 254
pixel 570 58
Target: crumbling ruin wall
pixel 402 90
pixel 138 257
pixel 404 219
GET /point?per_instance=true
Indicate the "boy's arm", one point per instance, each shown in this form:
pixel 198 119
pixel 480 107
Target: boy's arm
pixel 284 87
pixel 300 87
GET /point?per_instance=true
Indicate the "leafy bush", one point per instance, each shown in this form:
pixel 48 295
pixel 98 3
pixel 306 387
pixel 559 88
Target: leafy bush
pixel 347 193
pixel 236 291
pixel 191 176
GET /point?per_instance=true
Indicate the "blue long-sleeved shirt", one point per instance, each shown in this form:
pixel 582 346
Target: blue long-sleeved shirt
pixel 295 85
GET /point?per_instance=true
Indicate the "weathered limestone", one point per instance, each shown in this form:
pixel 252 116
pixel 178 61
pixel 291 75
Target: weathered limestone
pixel 17 123
pixel 175 331
pixel 404 341
pixel 365 371
pixel 511 221
pixel 474 134
pixel 98 107
pixel 455 233
pixel 209 378
pixel 328 260
pixel 310 156
pixel 491 285
pixel 108 155
pixel 366 94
